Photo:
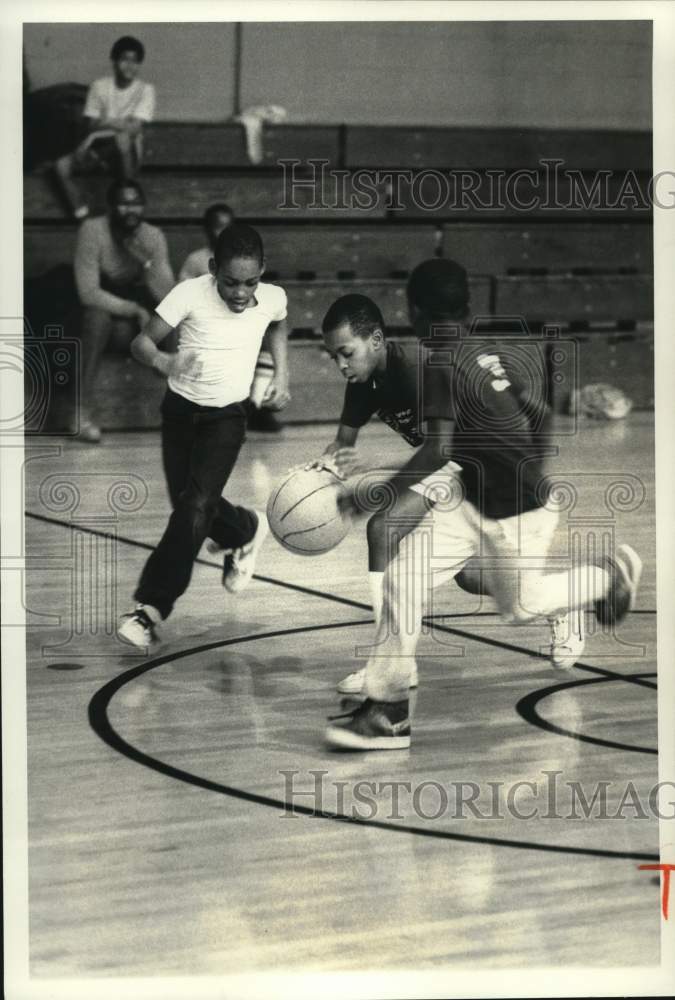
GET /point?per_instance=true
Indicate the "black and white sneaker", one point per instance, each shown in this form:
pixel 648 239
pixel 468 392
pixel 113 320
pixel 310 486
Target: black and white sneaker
pixel 374 725
pixel 138 628
pixel 625 570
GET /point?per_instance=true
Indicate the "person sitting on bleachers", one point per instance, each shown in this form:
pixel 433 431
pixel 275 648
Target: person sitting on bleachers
pixel 216 218
pixel 116 109
pixel 122 271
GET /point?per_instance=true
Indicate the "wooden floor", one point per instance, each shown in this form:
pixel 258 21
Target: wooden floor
pixel 161 838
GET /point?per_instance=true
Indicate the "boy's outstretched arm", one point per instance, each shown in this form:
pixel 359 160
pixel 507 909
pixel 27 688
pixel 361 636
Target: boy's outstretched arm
pixel 144 349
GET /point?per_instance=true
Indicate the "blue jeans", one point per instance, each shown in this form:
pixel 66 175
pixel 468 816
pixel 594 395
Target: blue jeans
pixel 200 445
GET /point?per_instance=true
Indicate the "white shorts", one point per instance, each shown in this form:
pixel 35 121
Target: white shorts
pixel 452 532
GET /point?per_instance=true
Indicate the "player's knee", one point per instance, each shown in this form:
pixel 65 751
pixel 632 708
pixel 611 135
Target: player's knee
pixel 64 165
pixel 198 508
pixel 123 141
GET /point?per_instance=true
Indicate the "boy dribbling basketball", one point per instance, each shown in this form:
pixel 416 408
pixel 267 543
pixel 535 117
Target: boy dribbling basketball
pixel 391 389
pixel 221 319
pixel 474 486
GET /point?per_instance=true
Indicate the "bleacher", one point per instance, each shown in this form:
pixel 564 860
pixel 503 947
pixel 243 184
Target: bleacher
pixel 587 271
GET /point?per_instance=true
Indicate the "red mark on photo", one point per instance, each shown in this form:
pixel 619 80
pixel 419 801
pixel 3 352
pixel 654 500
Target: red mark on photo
pixel 666 869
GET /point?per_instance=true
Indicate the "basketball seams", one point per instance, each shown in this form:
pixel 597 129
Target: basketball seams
pixel 315 527
pixel 306 497
pixel 279 489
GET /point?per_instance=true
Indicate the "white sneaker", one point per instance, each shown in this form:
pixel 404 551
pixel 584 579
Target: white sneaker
pixel 567 638
pixel 138 628
pixel 239 565
pixel 353 683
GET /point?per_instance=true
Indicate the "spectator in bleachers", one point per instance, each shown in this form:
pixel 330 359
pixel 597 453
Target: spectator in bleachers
pixel 122 271
pixel 116 109
pixel 216 218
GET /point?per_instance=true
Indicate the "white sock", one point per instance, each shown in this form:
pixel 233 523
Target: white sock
pixel 376 583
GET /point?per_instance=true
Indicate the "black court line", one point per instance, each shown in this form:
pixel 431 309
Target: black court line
pixel 335 598
pixel 110 736
pixel 527 709
pixel 73 526
pixel 100 723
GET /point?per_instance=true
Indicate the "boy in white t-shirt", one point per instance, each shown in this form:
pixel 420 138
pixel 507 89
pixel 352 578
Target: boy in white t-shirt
pixel 221 319
pixel 216 218
pixel 116 109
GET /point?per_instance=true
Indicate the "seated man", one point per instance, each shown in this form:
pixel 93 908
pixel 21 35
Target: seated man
pixel 117 106
pixel 122 271
pixel 216 218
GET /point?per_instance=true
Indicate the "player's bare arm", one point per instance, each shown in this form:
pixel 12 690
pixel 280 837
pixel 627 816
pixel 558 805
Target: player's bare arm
pixel 408 506
pixel 144 349
pixel 278 393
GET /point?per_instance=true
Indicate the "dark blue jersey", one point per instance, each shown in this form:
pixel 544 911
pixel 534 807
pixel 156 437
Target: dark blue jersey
pixel 495 395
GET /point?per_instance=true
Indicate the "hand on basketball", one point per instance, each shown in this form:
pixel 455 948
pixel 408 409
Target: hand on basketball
pixel 323 462
pixel 343 462
pixel 277 394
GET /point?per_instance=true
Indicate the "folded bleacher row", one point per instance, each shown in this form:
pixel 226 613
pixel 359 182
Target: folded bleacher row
pixel 587 270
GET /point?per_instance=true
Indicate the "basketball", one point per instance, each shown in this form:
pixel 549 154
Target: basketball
pixel 303 512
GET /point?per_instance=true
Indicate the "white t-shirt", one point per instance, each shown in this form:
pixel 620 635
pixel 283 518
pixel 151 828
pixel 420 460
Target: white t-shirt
pixel 227 343
pixel 105 100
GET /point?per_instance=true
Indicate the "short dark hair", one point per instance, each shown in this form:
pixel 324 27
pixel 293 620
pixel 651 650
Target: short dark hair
pixel 113 191
pixel 359 311
pixel 238 240
pixel 439 288
pixel 220 208
pixel 127 43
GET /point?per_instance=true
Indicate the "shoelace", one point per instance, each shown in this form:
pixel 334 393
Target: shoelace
pixel 145 619
pixel 558 628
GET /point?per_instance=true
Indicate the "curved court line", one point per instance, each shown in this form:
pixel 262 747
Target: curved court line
pixel 348 601
pixel 100 723
pixel 527 710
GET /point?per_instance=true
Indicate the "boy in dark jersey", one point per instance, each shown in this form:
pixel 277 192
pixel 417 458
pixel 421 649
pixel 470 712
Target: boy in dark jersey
pixel 474 486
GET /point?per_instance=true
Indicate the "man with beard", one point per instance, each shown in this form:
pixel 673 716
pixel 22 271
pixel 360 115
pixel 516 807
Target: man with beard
pixel 122 271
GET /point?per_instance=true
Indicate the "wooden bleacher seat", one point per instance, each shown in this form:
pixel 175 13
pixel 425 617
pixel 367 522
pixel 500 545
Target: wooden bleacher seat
pixel 193 145
pixel 563 247
pixel 367 251
pixel 328 251
pixel 490 148
pixel 562 299
pixel 482 197
pixel 184 196
pixel 212 145
pixel 308 301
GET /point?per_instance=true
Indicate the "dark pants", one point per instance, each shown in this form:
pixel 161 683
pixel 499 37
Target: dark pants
pixel 200 445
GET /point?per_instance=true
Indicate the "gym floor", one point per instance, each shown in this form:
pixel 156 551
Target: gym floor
pixel 162 837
